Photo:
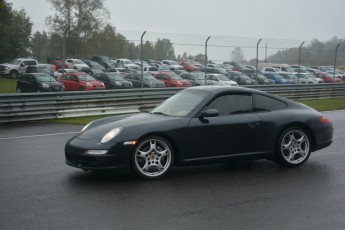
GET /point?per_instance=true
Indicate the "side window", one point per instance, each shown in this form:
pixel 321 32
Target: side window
pixel 264 103
pixel 232 104
pixel 73 78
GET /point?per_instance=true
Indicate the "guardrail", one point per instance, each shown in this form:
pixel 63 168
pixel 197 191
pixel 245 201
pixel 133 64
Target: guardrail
pixel 41 106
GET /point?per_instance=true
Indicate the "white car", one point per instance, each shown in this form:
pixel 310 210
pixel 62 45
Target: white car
pixel 219 79
pixel 61 72
pixel 126 63
pixel 311 78
pixel 77 64
pixel 172 65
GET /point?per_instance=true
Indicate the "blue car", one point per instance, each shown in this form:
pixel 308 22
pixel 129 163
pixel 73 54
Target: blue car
pixel 277 78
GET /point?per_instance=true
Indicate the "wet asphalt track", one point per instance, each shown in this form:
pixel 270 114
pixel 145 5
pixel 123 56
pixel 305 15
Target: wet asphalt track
pixel 39 191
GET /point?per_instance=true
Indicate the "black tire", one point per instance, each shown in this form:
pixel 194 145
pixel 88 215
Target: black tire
pixel 82 88
pixel 293 147
pixel 13 74
pixel 152 157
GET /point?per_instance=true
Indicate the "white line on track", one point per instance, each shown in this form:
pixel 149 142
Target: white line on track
pixel 41 135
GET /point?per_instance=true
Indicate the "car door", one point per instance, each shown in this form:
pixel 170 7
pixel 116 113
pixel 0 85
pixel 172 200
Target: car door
pixel 233 132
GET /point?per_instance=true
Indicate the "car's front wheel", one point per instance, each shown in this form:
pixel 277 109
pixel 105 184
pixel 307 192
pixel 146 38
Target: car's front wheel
pixel 153 157
pixel 294 147
pixel 13 74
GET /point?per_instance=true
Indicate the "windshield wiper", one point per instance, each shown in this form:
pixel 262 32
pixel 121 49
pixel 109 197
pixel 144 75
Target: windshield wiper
pixel 158 113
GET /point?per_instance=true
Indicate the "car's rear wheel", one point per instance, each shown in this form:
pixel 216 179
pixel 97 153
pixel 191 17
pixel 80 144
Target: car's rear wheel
pixel 294 147
pixel 153 157
pixel 82 88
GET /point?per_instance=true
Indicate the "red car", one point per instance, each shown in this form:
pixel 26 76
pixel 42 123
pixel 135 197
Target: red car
pixel 190 68
pixel 171 79
pixel 80 81
pixel 328 78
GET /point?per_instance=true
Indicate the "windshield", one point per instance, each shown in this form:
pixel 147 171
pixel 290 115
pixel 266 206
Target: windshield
pixel 223 78
pixel 45 78
pixel 181 103
pixel 199 75
pixel 128 62
pixel 15 62
pixel 78 62
pixel 116 77
pixel 86 77
pixel 149 77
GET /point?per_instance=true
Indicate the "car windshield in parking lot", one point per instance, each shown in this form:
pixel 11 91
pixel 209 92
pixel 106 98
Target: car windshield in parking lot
pixel 45 78
pixel 86 77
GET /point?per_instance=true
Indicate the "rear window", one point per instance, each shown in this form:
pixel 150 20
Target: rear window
pixel 264 103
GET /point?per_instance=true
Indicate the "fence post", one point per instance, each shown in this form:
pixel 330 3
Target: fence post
pixel 335 59
pixel 257 58
pixel 206 57
pixel 299 57
pixel 141 58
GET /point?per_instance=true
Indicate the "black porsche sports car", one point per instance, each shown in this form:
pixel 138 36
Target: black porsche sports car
pixel 202 125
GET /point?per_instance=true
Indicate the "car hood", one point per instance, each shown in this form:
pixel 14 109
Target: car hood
pixel 130 124
pixel 8 65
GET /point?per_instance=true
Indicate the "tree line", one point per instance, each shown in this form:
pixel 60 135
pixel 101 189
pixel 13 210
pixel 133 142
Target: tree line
pixel 82 25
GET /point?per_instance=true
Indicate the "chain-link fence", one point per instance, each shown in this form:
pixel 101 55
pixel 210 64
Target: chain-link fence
pixel 155 47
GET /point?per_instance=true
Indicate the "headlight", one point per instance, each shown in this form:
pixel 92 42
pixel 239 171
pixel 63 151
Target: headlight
pixel 45 85
pixel 111 134
pixel 118 83
pixel 88 84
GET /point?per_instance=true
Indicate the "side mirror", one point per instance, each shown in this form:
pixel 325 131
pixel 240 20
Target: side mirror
pixel 209 113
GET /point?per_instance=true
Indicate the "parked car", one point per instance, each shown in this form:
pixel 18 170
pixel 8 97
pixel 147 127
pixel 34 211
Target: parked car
pixel 202 125
pixel 39 69
pixel 77 64
pixel 60 64
pixel 16 67
pixel 293 78
pixel 219 79
pixel 241 78
pixel 80 81
pixel 92 71
pixel 104 61
pixel 190 67
pixel 148 81
pixel 93 64
pixel 212 70
pixel 171 65
pixel 311 78
pixel 328 78
pixel 38 82
pixel 195 78
pixel 278 79
pixel 61 72
pixel 126 63
pixel 150 69
pixel 171 79
pixel 113 80
pixel 261 79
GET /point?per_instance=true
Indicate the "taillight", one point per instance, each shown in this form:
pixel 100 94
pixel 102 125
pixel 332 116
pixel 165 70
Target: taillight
pixel 324 120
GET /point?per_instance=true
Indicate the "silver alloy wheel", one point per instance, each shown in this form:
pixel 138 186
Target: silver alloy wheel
pixel 153 157
pixel 295 146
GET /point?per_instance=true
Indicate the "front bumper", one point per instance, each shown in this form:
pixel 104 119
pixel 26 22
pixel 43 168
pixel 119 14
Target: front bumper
pixel 118 156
